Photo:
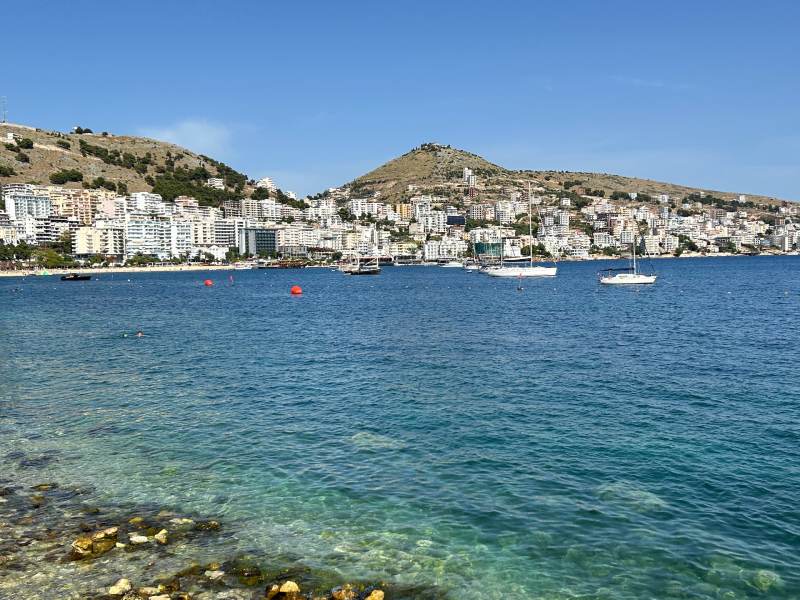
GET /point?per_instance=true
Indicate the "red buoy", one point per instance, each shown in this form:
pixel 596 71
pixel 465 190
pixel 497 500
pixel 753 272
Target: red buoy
pixel 296 290
pixel 208 283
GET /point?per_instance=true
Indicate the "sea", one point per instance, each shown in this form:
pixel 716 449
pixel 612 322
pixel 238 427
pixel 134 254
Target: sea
pixel 434 427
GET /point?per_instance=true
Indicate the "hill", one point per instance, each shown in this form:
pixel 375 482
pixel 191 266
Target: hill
pixel 116 162
pixel 438 169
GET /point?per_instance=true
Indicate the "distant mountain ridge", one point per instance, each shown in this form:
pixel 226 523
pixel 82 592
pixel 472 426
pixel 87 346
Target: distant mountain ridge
pixel 436 168
pixel 131 164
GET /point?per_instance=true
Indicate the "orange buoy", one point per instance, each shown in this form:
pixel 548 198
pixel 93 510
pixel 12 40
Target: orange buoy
pixel 296 290
pixel 208 283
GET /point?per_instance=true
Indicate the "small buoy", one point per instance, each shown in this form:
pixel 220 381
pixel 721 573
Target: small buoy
pixel 296 290
pixel 208 283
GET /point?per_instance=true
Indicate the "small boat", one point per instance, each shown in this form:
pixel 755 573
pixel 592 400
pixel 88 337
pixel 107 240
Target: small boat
pixel 452 264
pixel 76 277
pixel 472 267
pixel 627 275
pixel 372 267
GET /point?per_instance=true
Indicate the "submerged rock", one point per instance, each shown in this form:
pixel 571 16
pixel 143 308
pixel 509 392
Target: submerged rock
pixel 375 595
pixel 210 525
pixel 214 575
pixel 121 587
pixel 137 539
pixel 626 493
pixel 764 580
pixel 368 440
pixel 161 536
pixel 343 592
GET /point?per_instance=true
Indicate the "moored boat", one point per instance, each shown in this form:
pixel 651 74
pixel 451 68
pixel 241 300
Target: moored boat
pixel 75 277
pixel 627 275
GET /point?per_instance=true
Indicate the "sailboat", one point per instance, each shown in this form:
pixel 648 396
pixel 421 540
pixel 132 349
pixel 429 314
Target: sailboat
pixel 530 270
pixel 626 275
pixel 370 266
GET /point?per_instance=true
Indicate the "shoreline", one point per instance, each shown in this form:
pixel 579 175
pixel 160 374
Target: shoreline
pixel 100 270
pixel 195 268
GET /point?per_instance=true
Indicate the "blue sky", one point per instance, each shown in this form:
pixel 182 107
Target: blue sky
pixel 316 93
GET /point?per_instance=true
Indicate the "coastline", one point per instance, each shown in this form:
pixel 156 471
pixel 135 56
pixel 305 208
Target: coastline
pixel 201 268
pixel 100 270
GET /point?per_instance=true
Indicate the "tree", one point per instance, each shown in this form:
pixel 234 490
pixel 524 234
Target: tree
pixel 65 176
pixel 25 143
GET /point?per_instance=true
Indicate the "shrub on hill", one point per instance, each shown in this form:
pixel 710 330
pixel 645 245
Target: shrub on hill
pixel 6 171
pixel 190 182
pixel 63 144
pixel 23 158
pixel 66 175
pixel 102 182
pixel 115 157
pixel 25 143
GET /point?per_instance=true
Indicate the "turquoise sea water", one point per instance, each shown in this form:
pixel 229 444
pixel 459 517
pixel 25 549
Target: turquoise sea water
pixel 437 427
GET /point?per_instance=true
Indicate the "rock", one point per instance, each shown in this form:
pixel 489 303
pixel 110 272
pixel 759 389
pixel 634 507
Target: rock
pixel 137 539
pixel 289 587
pixel 207 525
pixel 161 536
pixel 110 532
pixel 375 595
pixel 182 522
pixel 121 587
pixel 148 591
pixel 135 520
pixel 271 592
pixel 120 545
pixel 37 500
pixel 763 580
pixel 132 595
pixel 160 597
pixel 102 546
pixel 343 592
pixel 214 575
pixel 6 491
pixel 44 487
pixel 81 547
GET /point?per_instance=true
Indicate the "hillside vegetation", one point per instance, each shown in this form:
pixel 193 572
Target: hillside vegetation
pixel 120 163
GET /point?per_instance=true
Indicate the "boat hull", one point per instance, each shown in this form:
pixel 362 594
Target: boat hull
pixel 628 279
pixel 522 271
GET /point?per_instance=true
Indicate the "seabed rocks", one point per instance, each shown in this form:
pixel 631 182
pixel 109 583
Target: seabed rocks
pixel 54 546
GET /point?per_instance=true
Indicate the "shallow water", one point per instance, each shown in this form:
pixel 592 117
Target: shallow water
pixel 434 426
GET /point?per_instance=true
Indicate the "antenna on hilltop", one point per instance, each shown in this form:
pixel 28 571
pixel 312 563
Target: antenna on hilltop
pixel 3 110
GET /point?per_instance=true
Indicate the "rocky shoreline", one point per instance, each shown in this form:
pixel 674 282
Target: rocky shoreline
pixel 54 545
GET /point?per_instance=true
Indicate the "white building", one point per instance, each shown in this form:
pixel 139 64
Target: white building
pixel 20 205
pixel 218 183
pixel 266 183
pixel 446 248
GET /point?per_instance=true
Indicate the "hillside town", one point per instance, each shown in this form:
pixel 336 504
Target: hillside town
pixel 98 226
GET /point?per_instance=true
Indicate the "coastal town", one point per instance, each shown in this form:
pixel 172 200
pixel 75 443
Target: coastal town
pixel 58 226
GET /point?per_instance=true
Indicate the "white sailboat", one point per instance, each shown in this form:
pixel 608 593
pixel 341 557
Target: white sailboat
pixel 529 270
pixel 627 275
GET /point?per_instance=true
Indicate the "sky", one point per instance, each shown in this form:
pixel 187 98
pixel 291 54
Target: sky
pixel 314 94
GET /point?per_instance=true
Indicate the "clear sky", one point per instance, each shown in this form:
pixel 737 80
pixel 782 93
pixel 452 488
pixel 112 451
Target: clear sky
pixel 704 93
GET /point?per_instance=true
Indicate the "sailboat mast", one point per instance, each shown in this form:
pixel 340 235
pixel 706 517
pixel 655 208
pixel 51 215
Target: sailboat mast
pixel 634 254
